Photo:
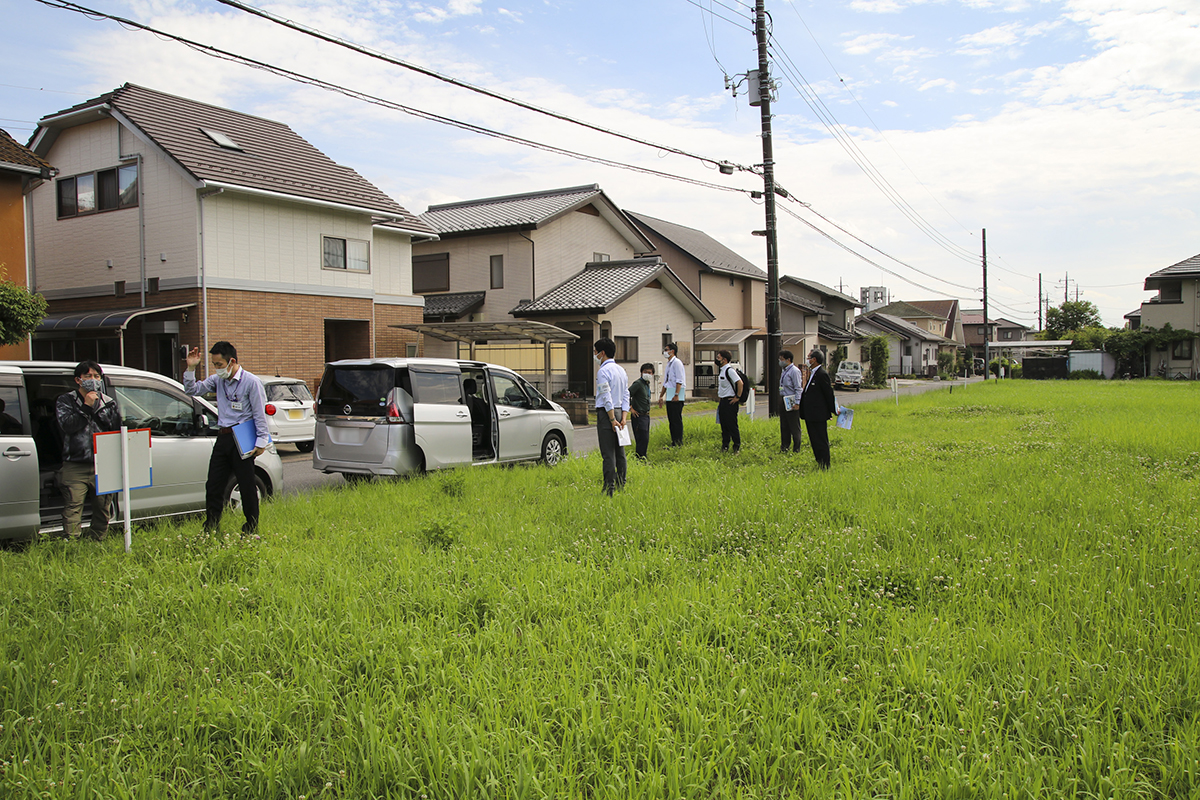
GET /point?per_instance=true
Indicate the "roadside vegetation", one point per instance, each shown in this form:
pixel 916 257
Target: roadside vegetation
pixel 992 594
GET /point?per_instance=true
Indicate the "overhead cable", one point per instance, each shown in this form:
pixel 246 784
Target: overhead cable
pixel 381 56
pixel 225 55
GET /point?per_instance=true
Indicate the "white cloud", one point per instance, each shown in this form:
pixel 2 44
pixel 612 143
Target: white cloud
pixel 937 83
pixel 439 14
pixel 870 42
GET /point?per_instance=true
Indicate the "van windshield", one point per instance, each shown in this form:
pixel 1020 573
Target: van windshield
pixel 364 389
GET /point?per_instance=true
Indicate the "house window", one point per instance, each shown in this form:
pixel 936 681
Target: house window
pixel 349 254
pixel 980 331
pixel 1182 350
pixel 103 190
pixel 497 267
pixel 627 348
pixel 1008 334
pixel 431 273
pixel 601 257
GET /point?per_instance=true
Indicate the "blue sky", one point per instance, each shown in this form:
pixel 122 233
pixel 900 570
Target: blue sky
pixel 1067 129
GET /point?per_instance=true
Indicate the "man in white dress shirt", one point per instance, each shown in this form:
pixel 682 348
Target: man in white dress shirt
pixel 674 381
pixel 612 404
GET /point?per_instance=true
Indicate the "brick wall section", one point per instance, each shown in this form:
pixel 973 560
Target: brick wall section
pixel 393 342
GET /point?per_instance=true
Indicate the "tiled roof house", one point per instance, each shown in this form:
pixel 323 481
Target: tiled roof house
pixel 20 169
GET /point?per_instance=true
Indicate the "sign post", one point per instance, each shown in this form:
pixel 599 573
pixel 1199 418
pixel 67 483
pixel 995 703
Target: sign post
pixel 123 464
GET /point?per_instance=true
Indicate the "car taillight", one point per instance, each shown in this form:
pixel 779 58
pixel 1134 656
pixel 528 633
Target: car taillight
pixel 393 413
pixel 270 409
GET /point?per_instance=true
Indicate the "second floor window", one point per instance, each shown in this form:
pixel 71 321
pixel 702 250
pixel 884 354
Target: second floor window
pixel 627 348
pixel 431 273
pixel 351 254
pixel 497 267
pixel 103 190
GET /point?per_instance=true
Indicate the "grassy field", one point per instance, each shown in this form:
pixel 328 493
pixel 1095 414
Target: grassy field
pixel 992 594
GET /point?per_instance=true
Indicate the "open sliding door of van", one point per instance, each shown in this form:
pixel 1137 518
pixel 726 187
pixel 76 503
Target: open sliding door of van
pixel 19 513
pixel 441 418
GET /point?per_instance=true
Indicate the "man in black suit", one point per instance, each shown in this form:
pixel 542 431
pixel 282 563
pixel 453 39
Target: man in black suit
pixel 817 406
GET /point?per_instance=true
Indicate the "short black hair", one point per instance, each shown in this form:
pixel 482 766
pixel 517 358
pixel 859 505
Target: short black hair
pixel 787 354
pixel 83 367
pixel 605 345
pixel 818 355
pixel 725 354
pixel 225 350
pixel 674 348
pixel 647 366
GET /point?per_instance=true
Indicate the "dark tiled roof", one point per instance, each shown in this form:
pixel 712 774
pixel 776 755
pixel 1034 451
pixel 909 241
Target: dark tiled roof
pixel 1189 267
pixel 603 285
pixel 1136 313
pixel 899 308
pixel 821 288
pixel 900 326
pixel 270 156
pixel 511 211
pixel 802 303
pixel 833 332
pixel 699 245
pixel 14 153
pixel 454 304
pixel 939 308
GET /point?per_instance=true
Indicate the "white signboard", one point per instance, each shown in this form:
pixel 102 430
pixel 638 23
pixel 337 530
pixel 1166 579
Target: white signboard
pixel 107 447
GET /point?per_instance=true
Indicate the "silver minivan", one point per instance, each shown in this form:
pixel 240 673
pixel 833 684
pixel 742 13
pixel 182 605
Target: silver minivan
pixel 182 432
pixel 395 416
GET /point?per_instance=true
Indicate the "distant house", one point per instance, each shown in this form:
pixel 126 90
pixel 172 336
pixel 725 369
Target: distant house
pixel 835 322
pixel 1133 320
pixel 186 223
pixel 912 349
pixel 731 288
pixel 564 256
pixel 20 171
pixel 951 315
pixel 1002 331
pixel 1177 304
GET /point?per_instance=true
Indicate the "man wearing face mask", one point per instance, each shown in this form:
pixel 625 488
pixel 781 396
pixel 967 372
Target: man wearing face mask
pixel 791 386
pixel 80 414
pixel 612 402
pixel 240 397
pixel 639 410
pixel 675 382
pixel 729 389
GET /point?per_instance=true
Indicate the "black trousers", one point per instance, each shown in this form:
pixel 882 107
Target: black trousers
pixel 641 434
pixel 727 415
pixel 789 430
pixel 226 461
pixel 612 454
pixel 818 437
pixel 675 421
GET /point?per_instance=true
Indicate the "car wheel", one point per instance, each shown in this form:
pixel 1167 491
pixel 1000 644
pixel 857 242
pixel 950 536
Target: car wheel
pixel 553 449
pixel 305 447
pixel 233 495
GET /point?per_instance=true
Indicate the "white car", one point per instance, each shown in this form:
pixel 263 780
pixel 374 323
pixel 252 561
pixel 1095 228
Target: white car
pixel 395 416
pixel 849 376
pixel 182 432
pixel 290 415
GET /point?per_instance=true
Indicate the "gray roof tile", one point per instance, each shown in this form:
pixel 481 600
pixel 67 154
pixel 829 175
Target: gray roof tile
pixel 453 304
pixel 599 287
pixel 510 211
pixel 699 245
pixel 271 156
pixel 821 288
pixel 1188 267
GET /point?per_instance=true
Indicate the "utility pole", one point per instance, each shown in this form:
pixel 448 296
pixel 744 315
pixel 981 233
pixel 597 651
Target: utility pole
pixel 1066 286
pixel 774 334
pixel 1039 301
pixel 987 327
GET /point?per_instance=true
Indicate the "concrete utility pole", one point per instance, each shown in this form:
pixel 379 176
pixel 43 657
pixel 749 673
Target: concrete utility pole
pixel 1039 301
pixel 774 334
pixel 987 328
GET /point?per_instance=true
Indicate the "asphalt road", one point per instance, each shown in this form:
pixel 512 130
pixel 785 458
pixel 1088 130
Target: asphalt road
pixel 299 476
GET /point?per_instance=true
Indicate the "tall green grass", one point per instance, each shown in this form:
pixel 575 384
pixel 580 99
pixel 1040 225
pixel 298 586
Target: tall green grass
pixel 993 593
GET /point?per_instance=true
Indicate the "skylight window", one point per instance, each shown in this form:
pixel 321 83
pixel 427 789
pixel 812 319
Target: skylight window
pixel 221 139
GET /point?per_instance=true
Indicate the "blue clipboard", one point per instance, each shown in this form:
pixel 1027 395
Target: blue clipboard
pixel 246 436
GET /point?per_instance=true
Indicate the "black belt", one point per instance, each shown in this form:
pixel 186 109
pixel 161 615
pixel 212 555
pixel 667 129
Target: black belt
pixel 224 430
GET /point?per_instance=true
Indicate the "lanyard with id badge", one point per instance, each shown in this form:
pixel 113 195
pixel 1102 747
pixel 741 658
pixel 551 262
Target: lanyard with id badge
pixel 234 403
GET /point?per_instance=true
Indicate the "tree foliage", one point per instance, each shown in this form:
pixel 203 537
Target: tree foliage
pixel 837 357
pixel 1072 315
pixel 877 352
pixel 21 311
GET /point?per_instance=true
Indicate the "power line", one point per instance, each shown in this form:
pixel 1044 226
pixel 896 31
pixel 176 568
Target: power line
pixel 225 55
pixel 380 56
pixel 718 16
pixel 847 142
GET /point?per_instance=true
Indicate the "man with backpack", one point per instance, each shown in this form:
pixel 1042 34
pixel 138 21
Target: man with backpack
pixel 729 394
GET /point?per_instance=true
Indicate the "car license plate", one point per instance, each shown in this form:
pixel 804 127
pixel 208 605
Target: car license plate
pixel 295 413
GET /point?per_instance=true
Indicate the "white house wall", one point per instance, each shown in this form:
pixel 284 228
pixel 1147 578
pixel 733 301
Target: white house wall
pixel 471 269
pixel 71 254
pixel 567 243
pixel 646 315
pixel 391 263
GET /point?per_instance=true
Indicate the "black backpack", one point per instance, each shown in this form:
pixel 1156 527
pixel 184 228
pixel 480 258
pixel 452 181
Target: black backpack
pixel 745 394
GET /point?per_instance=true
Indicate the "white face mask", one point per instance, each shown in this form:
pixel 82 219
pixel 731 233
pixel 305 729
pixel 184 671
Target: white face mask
pixel 666 353
pixel 224 373
pixel 596 358
pixel 646 376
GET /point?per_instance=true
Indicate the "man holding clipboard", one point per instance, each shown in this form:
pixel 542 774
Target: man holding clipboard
pixel 242 430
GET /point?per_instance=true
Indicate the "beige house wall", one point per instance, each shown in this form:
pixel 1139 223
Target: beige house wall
pixel 471 265
pixel 646 316
pixel 569 242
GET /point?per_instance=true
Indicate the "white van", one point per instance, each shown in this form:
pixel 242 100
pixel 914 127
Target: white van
pixel 182 432
pixel 395 416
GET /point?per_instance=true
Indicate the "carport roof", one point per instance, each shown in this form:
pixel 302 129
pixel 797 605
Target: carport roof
pixel 499 330
pixel 102 320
